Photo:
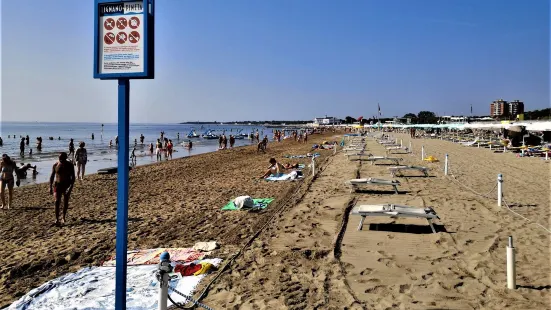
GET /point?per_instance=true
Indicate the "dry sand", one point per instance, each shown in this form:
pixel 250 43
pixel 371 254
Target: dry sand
pixel 463 267
pixel 310 256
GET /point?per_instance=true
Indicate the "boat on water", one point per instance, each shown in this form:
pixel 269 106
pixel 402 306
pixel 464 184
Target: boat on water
pixel 193 134
pixel 210 135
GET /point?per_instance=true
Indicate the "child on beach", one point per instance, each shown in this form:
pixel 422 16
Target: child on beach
pixel 72 151
pixel 133 156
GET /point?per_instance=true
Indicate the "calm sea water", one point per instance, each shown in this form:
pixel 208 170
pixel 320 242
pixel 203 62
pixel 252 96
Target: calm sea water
pixel 100 155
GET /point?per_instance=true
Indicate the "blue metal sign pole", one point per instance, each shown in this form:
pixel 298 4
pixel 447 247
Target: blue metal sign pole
pixel 138 24
pixel 122 193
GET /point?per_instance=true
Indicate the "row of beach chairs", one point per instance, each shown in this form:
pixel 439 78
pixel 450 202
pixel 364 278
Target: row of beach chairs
pixel 357 148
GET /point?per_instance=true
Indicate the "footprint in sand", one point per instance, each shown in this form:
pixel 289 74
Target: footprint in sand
pixel 366 271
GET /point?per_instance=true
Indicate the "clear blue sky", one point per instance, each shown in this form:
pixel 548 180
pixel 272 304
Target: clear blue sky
pixel 285 59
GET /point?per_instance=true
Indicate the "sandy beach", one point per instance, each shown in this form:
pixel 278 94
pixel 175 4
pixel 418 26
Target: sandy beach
pixel 310 254
pixel 171 204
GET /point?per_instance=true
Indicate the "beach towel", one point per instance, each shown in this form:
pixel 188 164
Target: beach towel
pixel 291 176
pixel 94 288
pixel 260 203
pixel 151 256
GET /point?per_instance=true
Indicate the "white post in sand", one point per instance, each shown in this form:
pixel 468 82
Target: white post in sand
pixel 313 166
pixel 446 165
pixel 511 270
pixel 410 149
pixel 422 152
pixel 401 143
pixel 335 148
pixel 499 189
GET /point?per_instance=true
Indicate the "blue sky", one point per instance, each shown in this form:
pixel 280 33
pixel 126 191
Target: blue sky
pixel 285 59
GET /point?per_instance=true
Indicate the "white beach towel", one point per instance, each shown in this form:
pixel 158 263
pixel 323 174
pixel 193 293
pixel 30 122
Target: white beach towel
pixel 94 288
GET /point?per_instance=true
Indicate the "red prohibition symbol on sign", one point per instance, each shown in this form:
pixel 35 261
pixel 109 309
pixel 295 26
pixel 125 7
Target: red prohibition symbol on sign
pixel 109 24
pixel 121 37
pixel 134 37
pixel 122 23
pixel 109 38
pixel 134 22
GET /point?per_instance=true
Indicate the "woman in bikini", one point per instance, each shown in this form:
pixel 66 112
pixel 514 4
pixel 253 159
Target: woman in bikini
pixel 8 168
pixel 274 169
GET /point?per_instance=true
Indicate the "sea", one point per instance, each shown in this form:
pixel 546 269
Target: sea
pixel 56 138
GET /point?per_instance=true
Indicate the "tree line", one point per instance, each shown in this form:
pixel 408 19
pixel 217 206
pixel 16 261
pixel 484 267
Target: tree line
pixel 428 117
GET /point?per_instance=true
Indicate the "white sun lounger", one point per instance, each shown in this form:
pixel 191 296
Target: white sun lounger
pixel 396 169
pixel 355 183
pixel 359 154
pixel 389 149
pixel 394 211
pixel 373 159
pixel 384 142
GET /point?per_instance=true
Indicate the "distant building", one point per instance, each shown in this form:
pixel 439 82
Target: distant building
pixel 327 120
pixel 506 110
pixel 516 108
pixel 499 108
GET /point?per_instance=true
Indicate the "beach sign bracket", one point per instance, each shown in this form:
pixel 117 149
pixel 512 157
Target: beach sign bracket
pixel 123 50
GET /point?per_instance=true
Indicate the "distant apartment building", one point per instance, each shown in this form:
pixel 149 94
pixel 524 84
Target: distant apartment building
pixel 516 107
pixel 504 109
pixel 499 108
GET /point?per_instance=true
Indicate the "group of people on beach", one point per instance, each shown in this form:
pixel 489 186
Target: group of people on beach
pixel 223 142
pixel 62 181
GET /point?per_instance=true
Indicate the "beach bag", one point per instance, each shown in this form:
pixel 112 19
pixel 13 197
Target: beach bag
pixel 243 202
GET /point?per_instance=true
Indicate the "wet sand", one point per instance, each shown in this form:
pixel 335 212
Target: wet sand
pixel 310 255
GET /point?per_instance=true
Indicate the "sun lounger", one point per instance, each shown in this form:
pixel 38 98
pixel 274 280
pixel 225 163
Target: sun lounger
pixel 394 211
pixel 373 159
pixel 355 183
pixel 396 169
pixel 359 154
pixel 389 149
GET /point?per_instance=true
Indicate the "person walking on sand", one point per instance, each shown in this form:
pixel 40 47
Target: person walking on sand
pixel 8 168
pixel 63 172
pixel 81 157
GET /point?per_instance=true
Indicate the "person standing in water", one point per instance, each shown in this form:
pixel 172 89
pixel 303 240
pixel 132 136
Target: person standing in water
pixel 72 151
pixel 158 149
pixel 232 141
pixel 81 157
pixel 22 147
pixel 63 172
pixel 8 168
pixel 169 147
pixel 142 138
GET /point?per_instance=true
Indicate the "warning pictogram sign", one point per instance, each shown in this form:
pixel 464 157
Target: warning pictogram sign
pixel 109 24
pixel 122 23
pixel 122 37
pixel 134 22
pixel 109 38
pixel 134 37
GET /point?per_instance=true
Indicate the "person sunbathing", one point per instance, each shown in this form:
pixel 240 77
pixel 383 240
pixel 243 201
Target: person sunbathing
pixel 274 169
pixel 291 166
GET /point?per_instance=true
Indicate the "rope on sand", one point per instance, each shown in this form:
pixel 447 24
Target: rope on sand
pixel 453 178
pixel 248 243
